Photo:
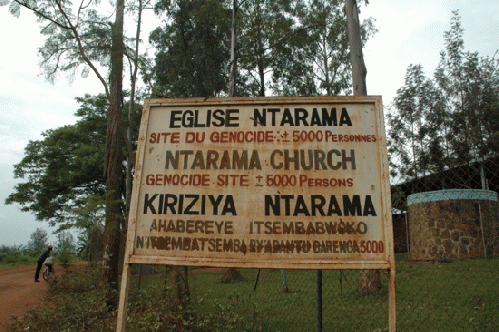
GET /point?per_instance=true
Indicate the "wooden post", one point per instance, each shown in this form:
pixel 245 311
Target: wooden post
pixel 125 280
pixel 392 301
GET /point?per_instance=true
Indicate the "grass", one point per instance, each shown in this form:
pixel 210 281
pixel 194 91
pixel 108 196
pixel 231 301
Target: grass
pixel 455 296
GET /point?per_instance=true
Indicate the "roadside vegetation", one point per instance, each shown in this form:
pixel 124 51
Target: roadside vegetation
pixel 15 256
pixel 20 255
pixel 65 250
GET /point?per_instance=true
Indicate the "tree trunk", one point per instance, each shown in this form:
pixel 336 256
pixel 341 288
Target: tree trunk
pixel 131 110
pixel 359 70
pixel 233 52
pixel 370 280
pixel 113 165
pixel 233 67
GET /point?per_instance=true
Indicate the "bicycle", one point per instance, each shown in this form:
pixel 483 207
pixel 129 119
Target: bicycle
pixel 49 270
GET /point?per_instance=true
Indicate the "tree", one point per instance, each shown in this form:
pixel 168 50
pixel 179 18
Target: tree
pixel 38 241
pixel 267 34
pixel 65 167
pixel 113 162
pixel 470 85
pixel 65 241
pixel 135 62
pixel 416 127
pixel 319 59
pixel 288 47
pixel 331 54
pixel 90 218
pixel 193 50
pixel 448 120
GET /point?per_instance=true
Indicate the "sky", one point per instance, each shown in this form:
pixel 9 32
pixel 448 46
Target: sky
pixel 410 32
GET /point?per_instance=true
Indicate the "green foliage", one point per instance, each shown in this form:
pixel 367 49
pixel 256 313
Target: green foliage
pixel 156 309
pixel 73 40
pixel 470 84
pixel 16 256
pixel 65 240
pixel 65 248
pixel 148 312
pixel 38 241
pixel 264 33
pixel 288 47
pixel 414 128
pixel 193 48
pixel 65 256
pixel 90 219
pixel 318 59
pixel 17 259
pixel 65 168
pixel 450 120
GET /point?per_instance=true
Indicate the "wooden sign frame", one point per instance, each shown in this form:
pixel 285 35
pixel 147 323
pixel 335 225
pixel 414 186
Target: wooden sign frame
pixel 285 183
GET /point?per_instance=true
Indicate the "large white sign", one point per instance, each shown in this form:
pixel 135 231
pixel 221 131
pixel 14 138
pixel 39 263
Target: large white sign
pixel 262 182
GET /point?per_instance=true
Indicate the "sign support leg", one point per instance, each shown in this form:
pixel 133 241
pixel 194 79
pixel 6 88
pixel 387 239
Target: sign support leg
pixel 392 301
pixel 125 280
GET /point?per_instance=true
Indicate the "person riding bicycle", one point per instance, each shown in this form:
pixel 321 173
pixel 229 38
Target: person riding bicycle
pixel 41 259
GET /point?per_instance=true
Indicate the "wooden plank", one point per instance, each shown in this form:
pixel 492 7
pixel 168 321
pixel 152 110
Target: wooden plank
pixel 392 301
pixel 122 310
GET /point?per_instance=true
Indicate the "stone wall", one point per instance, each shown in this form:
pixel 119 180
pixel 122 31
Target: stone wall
pixel 447 225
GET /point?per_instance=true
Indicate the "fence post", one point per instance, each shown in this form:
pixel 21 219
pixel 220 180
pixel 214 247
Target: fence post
pixel 256 279
pixel 284 281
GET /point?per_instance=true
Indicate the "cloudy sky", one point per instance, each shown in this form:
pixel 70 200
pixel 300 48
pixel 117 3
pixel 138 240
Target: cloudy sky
pixel 410 32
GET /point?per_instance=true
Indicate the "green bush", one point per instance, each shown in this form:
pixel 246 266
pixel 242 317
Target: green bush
pixel 13 256
pixel 65 256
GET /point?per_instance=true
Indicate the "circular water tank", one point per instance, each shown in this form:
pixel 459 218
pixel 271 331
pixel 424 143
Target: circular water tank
pixel 453 224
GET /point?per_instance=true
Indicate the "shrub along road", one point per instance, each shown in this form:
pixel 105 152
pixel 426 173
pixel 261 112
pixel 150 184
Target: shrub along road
pixel 19 292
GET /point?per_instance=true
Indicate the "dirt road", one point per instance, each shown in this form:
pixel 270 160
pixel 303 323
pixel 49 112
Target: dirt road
pixel 18 292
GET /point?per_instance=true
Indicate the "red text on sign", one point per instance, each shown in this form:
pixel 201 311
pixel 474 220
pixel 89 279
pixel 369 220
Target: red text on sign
pixel 232 180
pixel 164 138
pixel 372 247
pixel 178 180
pixel 242 137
